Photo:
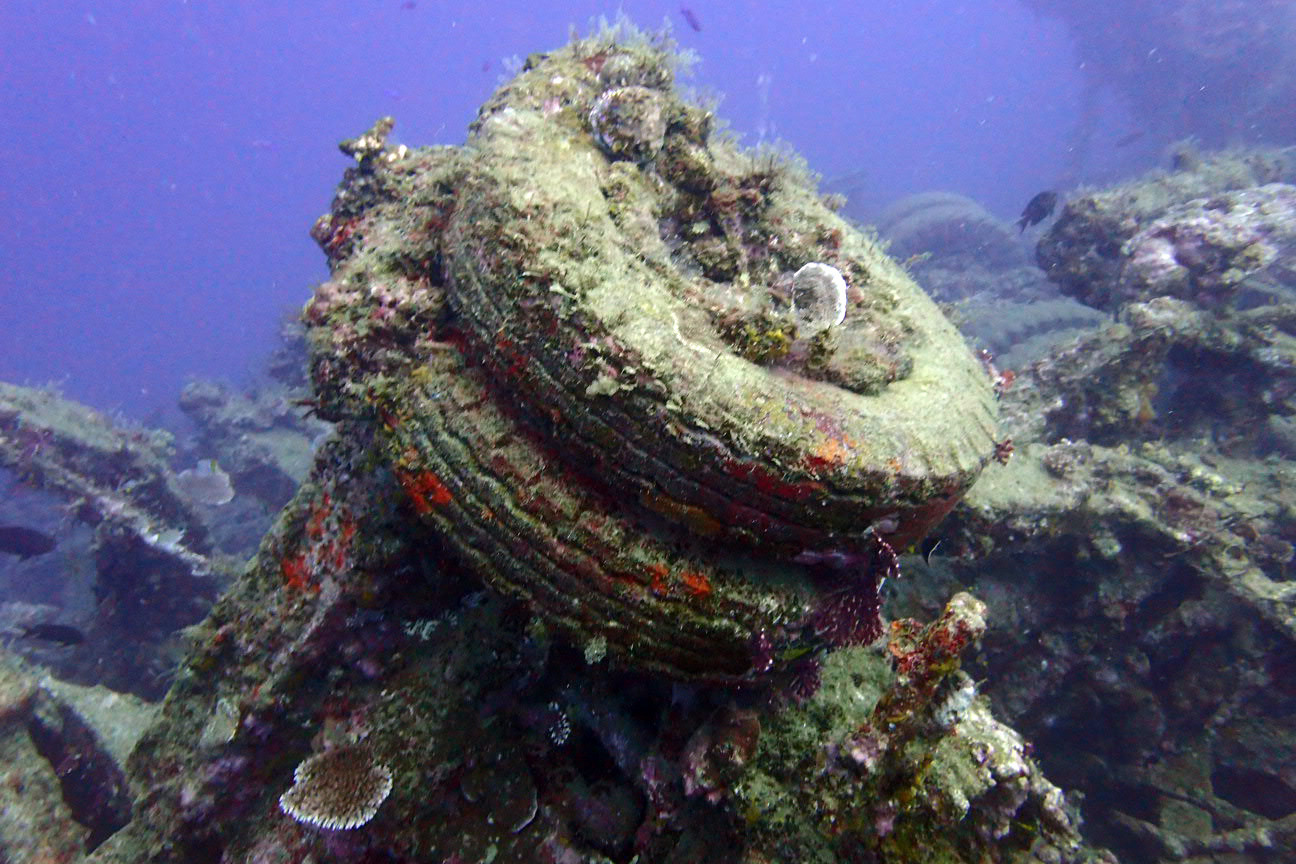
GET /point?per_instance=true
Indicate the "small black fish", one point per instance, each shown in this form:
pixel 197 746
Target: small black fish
pixel 1126 140
pixel 690 18
pixel 24 542
pixel 1039 209
pixel 63 634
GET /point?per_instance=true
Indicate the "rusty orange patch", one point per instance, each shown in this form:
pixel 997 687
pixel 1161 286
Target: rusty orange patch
pixel 658 573
pixel 697 584
pixel 831 452
pixel 296 574
pixel 425 489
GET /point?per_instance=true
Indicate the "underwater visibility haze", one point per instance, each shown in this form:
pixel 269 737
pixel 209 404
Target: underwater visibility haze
pixel 648 433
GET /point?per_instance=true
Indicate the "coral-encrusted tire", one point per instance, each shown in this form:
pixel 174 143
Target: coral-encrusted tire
pixel 580 281
pixel 593 373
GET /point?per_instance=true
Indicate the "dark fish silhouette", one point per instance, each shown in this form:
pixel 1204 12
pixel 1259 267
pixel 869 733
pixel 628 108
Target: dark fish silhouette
pixel 1039 209
pixel 63 634
pixel 690 17
pixel 1126 140
pixel 24 542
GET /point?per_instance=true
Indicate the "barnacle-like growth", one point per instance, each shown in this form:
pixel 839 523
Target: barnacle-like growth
pixel 337 789
pixel 818 297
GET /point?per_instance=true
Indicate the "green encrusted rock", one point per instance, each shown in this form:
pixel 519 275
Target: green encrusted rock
pixel 585 349
pixel 588 278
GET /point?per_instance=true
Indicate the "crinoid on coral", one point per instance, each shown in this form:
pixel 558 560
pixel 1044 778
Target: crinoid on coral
pixel 584 346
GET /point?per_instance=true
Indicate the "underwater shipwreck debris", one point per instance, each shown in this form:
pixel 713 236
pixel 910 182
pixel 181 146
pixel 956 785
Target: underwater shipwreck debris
pixel 535 390
pixel 153 573
pixel 898 749
pixel 1120 245
pixel 946 225
pixel 563 352
pixel 112 476
pixel 262 438
pixel 1148 510
pixel 1207 250
pixel 64 748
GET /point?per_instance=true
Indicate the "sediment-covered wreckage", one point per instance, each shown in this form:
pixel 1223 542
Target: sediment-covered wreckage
pixel 631 427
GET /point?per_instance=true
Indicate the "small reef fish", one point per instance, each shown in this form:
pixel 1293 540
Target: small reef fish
pixel 25 542
pixel 690 17
pixel 62 634
pixel 1037 210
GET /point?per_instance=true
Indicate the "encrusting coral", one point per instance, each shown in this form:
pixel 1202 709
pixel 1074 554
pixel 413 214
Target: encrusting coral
pixel 340 788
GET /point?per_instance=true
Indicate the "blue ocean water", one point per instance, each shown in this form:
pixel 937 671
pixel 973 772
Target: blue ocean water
pixel 163 161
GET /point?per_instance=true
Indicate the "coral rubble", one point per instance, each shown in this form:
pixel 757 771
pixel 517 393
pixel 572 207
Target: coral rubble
pixel 62 747
pixel 154 574
pixel 1137 548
